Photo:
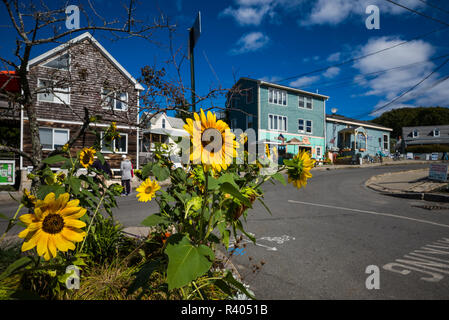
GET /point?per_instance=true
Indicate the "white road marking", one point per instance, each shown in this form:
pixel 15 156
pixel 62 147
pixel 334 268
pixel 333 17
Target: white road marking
pixel 278 240
pixel 371 212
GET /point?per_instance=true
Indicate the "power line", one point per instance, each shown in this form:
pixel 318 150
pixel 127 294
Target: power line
pixel 409 90
pixel 434 6
pixel 337 82
pixel 419 13
pixel 362 57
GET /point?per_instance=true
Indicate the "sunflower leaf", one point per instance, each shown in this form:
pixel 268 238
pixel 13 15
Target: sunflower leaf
pixel 279 177
pixel 44 190
pixel 16 265
pixel 186 262
pixel 154 220
pixel 229 188
pixel 55 159
pixel 160 173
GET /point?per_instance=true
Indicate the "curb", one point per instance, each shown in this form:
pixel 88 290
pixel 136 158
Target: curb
pixel 426 196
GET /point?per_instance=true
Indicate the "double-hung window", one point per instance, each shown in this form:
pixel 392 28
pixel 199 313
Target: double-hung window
pixel 114 100
pixel 309 126
pixel 301 125
pixel 53 138
pixel 386 142
pixel 277 96
pixel 277 123
pixel 48 92
pixel 118 145
pixel 305 102
pixel 305 126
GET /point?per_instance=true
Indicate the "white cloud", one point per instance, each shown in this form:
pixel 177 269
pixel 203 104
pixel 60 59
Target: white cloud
pixel 250 42
pixel 333 12
pixel 334 57
pixel 271 78
pixel 332 72
pixel 247 15
pixel 392 83
pixel 303 81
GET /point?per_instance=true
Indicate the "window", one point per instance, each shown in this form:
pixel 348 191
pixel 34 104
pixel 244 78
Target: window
pixel 249 96
pixel 301 125
pixel 118 145
pixel 163 123
pixel 309 126
pixel 61 62
pixel 277 97
pixel 249 121
pixel 436 132
pixel 277 123
pixel 304 102
pixel 318 152
pixel 386 147
pixel 49 93
pixel 53 138
pixel 114 100
pixel 415 133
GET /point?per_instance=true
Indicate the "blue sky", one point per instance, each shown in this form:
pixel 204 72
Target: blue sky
pixel 281 40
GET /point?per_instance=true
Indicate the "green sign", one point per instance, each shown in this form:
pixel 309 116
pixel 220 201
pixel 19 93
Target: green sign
pixel 7 172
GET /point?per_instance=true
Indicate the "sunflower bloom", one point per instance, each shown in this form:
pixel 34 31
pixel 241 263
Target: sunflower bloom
pixel 213 143
pixel 298 169
pixel 147 190
pixel 87 157
pixel 53 226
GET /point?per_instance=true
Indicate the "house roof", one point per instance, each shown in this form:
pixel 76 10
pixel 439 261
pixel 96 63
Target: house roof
pixel 175 123
pixel 80 38
pixel 271 84
pixel 367 124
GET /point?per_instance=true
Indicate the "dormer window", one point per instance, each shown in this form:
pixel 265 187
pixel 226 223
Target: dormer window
pixel 436 132
pixel 61 62
pixel 163 123
pixel 415 133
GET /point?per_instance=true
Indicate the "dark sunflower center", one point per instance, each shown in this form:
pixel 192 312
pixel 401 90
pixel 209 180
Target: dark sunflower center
pixel 212 140
pixel 148 189
pixel 86 157
pixel 53 223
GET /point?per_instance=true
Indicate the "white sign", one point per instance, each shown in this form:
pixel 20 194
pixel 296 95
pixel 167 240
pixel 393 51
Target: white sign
pixel 438 172
pixel 409 156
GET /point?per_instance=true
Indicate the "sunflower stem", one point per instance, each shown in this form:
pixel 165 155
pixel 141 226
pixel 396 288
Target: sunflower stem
pixel 91 221
pixel 11 222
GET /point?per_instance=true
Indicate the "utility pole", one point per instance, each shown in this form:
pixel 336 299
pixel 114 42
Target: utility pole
pixel 194 34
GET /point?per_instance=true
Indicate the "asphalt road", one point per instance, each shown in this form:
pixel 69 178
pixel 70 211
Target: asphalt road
pixel 320 240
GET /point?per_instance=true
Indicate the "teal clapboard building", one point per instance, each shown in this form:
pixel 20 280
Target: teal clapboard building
pixel 286 118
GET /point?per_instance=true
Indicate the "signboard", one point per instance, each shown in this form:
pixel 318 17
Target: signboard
pixel 194 34
pixel 7 172
pixel 409 156
pixel 435 156
pixel 438 172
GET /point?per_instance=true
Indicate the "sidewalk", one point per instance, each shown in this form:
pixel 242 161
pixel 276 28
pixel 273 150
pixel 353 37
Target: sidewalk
pixel 368 165
pixel 411 184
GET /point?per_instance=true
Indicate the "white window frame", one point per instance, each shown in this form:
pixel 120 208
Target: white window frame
pixel 306 126
pixel 113 96
pixel 415 135
pixel 303 126
pixel 435 131
pixel 55 99
pixel 305 99
pixel 114 147
pixel 386 142
pixel 280 94
pixel 319 154
pixel 279 121
pixel 53 136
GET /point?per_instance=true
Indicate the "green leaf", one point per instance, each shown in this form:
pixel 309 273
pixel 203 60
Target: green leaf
pixel 212 183
pixel 146 170
pixel 266 207
pixel 100 157
pixel 160 173
pixel 229 188
pixel 75 184
pixel 279 177
pixel 186 262
pixel 229 178
pixel 55 159
pixel 229 278
pixel 154 220
pixel 44 190
pixel 224 233
pixel 18 264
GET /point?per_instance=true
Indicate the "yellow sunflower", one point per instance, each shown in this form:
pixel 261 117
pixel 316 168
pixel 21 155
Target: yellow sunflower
pixel 298 169
pixel 28 199
pixel 147 190
pixel 87 157
pixel 53 226
pixel 213 143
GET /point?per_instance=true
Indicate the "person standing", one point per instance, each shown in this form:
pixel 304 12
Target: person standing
pixel 126 169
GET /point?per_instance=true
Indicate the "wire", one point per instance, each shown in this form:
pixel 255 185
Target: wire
pixel 419 13
pixel 434 6
pixel 361 57
pixel 409 90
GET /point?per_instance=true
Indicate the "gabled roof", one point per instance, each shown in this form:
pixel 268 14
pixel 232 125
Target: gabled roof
pixel 80 38
pixel 175 123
